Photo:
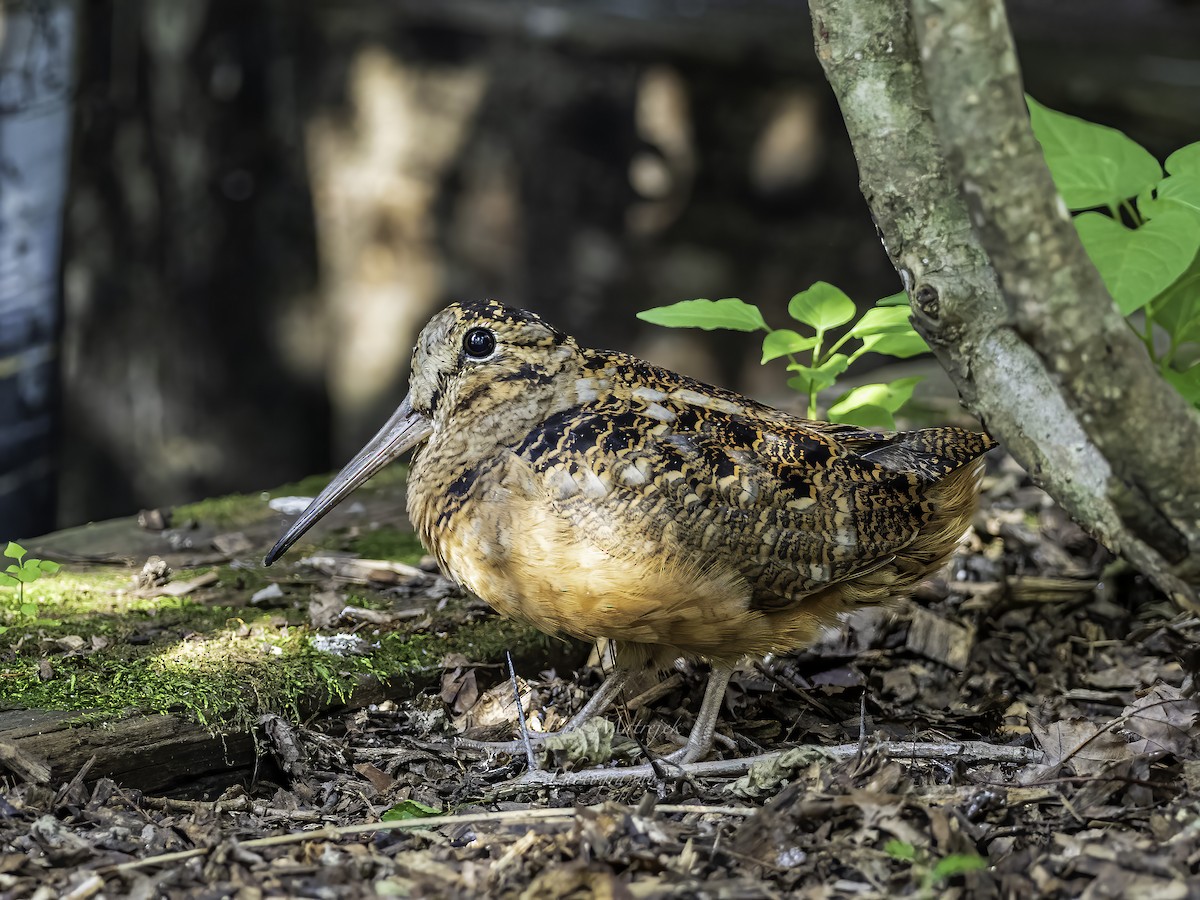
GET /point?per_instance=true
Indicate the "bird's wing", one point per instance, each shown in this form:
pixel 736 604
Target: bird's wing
pixel 791 506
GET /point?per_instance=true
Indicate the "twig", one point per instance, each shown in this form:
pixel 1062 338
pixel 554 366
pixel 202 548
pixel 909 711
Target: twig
pixel 235 804
pixel 530 756
pixel 656 691
pixel 974 752
pixel 502 817
pixel 794 690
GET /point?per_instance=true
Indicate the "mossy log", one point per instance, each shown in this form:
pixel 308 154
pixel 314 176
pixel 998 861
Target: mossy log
pixel 161 683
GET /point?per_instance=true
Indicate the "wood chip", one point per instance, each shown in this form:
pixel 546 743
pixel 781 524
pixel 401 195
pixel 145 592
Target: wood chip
pixel 24 765
pixel 940 640
pixel 183 588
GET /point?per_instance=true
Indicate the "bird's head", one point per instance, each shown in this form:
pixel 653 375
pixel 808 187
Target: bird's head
pixel 481 363
pixel 481 371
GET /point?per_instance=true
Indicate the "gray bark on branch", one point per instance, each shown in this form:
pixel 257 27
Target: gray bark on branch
pixel 999 284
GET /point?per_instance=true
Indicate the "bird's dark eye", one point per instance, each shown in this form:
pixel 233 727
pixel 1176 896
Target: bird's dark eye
pixel 479 343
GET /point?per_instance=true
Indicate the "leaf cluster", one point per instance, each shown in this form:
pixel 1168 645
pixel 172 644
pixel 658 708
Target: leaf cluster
pixel 24 570
pixel 818 349
pixel 1141 229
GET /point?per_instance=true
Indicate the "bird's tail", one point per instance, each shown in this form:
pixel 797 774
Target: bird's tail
pixel 932 453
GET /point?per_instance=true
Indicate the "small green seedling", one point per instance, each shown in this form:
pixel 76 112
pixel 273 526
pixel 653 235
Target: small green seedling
pixel 821 310
pixel 933 875
pixel 1141 229
pixel 25 570
pixel 410 809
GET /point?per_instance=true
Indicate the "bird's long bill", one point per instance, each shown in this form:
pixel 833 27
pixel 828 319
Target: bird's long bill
pixel 405 429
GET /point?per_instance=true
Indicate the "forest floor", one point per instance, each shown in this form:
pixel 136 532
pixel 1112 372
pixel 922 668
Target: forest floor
pixel 1051 691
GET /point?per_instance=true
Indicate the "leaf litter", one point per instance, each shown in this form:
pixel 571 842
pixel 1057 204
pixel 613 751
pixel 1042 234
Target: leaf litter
pixel 1035 644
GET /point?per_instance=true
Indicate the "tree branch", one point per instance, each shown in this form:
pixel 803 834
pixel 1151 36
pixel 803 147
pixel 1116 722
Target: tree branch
pixel 1148 433
pixel 1026 348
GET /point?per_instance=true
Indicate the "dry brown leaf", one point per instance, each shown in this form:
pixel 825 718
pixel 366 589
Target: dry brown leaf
pixel 1081 744
pixel 884 812
pixel 460 690
pixel 591 744
pixel 933 637
pixel 496 706
pixel 379 779
pixel 765 777
pixel 1164 721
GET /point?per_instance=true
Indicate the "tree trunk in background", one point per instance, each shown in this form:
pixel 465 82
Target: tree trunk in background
pixel 952 173
pixel 192 346
pixel 36 47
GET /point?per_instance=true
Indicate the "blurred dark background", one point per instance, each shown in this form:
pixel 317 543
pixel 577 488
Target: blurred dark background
pixel 266 200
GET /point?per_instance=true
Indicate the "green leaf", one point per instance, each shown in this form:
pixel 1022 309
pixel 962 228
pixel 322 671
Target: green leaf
pixel 1179 192
pixel 882 320
pixel 409 809
pixel 783 341
pixel 1177 309
pixel 8 580
pixel 1093 165
pixel 900 299
pixel 28 610
pixel 901 850
pixel 955 864
pixel 48 566
pixel 1184 161
pixel 729 313
pixel 1138 264
pixel 901 346
pixel 810 378
pixel 12 568
pixel 1187 383
pixel 14 550
pixel 27 576
pixel 1084 179
pixel 868 416
pixel 890 397
pixel 822 307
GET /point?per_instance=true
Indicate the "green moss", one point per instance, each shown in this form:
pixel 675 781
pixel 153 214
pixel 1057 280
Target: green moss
pixel 69 593
pixel 222 680
pixel 246 578
pixel 229 511
pixel 389 543
pixel 110 651
pixel 233 510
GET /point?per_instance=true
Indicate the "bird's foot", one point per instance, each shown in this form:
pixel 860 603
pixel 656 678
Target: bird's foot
pixel 596 741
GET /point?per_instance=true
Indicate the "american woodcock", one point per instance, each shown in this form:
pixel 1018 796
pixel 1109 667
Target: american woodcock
pixel 593 494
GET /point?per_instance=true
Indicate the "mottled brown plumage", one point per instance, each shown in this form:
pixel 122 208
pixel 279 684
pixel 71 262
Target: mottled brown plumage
pixel 590 493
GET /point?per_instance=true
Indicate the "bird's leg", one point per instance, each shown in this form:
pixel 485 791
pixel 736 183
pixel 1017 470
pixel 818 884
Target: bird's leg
pixel 700 740
pixel 599 701
pixel 698 744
